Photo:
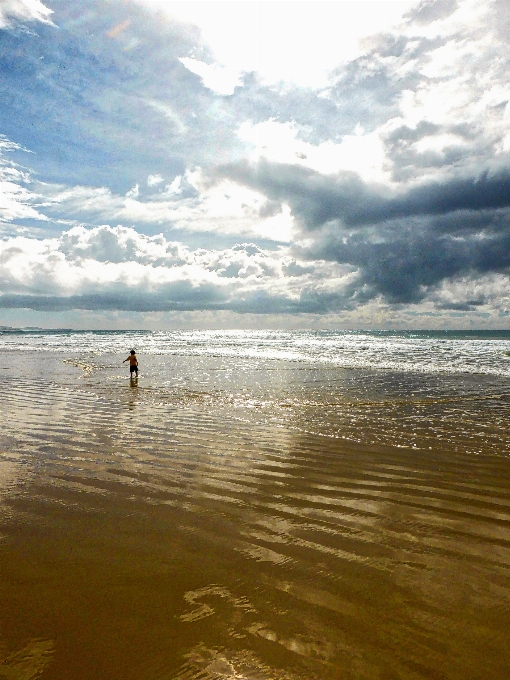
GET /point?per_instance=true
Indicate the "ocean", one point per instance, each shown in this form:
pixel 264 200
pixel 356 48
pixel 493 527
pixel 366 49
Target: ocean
pixel 257 504
pixel 447 352
pixel 406 388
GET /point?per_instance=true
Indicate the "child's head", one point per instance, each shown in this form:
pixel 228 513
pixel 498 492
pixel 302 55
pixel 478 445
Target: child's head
pixel 132 351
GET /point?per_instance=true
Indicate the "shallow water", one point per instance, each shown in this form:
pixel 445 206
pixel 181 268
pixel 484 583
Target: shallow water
pixel 251 517
pixel 446 352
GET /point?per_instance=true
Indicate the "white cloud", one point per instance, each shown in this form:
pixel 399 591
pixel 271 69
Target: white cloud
pixel 67 266
pixel 225 208
pixel 153 180
pixel 219 79
pixel 459 88
pixel 134 192
pixel 229 208
pixel 17 201
pixel 118 260
pixel 463 85
pixel 120 244
pixel 174 187
pixel 24 10
pixel 491 291
pixel 298 42
pixel 438 143
pixel 279 142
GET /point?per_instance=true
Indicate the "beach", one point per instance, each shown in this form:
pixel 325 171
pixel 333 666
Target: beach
pixel 237 513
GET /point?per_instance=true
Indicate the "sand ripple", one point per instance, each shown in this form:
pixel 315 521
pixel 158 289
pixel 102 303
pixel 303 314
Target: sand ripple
pixel 170 541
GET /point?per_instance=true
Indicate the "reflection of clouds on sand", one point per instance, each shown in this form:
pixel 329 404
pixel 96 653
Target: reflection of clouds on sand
pixel 234 615
pixel 212 664
pixel 12 475
pixel 27 663
pixel 262 554
pixel 315 648
pixel 202 609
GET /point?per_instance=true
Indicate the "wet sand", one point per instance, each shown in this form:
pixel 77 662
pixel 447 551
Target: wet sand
pixel 151 536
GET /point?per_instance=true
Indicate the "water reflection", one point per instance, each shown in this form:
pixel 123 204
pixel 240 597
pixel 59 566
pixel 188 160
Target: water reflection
pixel 14 475
pixel 219 541
pixel 133 391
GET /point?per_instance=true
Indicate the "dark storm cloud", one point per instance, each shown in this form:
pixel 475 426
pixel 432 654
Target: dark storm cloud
pixel 317 199
pixel 403 266
pixel 179 296
pixel 313 197
pixel 182 298
pixel 402 244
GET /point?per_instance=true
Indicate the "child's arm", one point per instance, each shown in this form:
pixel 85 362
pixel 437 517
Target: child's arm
pixel 125 360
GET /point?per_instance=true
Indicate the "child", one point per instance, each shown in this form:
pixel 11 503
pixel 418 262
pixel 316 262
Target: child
pixel 133 363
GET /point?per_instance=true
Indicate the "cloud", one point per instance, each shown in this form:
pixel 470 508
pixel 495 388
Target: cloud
pixel 386 188
pixel 188 203
pixel 299 43
pixel 106 244
pixel 153 180
pixel 23 10
pixel 430 10
pixel 318 199
pixel 277 142
pixel 108 268
pixel 217 78
pixel 441 75
pixel 468 293
pixel 17 200
pixel 405 265
pixel 425 200
pixel 402 243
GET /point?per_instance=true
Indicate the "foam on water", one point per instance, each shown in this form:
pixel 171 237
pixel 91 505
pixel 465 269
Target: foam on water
pixel 466 352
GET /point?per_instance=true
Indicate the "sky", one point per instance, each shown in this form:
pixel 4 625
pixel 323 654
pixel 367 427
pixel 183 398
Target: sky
pixel 253 164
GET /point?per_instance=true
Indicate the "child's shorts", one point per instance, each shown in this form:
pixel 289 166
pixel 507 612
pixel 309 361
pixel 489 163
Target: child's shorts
pixel 132 369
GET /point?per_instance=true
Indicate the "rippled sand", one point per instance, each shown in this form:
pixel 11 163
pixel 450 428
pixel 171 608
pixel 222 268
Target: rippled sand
pixel 272 524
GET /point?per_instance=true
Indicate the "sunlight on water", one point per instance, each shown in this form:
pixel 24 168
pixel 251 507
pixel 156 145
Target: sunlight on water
pixel 447 352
